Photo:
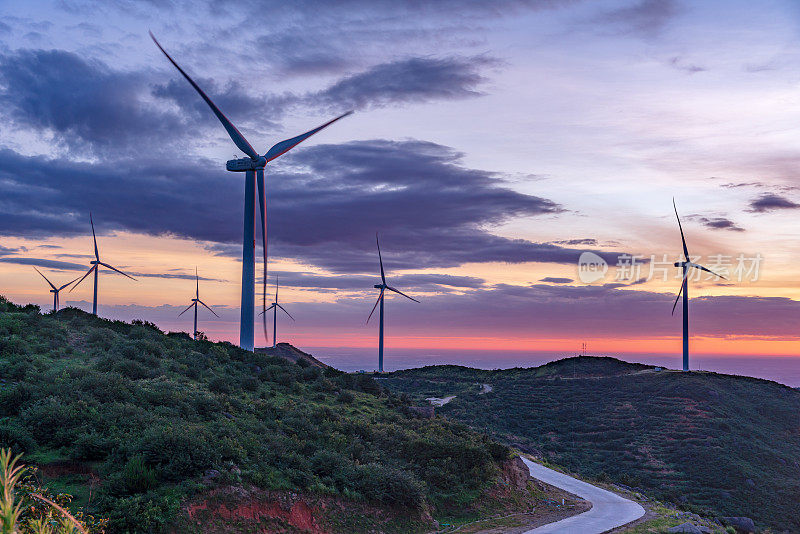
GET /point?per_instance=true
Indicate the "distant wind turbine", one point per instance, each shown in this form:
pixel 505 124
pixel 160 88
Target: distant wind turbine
pixel 55 290
pixel 383 287
pixel 195 301
pixel 253 166
pixel 274 307
pixel 95 266
pixel 686 266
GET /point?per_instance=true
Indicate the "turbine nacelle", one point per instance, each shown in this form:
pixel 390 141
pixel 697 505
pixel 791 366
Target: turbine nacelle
pixel 379 286
pixel 245 164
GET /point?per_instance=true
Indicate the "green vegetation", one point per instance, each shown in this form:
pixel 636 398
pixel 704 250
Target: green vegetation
pixel 712 444
pixel 136 424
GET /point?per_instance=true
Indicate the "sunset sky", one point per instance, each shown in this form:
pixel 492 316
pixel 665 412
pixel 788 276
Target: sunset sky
pixel 492 144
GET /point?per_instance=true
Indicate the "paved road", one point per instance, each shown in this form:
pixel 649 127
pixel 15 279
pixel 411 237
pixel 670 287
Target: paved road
pixel 609 510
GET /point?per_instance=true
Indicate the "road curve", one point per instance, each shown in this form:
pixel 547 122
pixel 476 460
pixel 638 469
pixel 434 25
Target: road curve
pixel 609 510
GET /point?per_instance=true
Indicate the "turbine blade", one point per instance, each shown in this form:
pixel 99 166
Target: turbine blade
pixel 284 146
pixel 706 269
pixel 401 293
pixel 65 285
pixel 207 307
pixel 267 309
pixel 262 208
pixel 187 309
pixel 92 268
pixel 236 136
pixel 115 269
pixel 46 280
pixel 380 259
pixel 287 313
pixel 197 281
pixel 96 253
pixel 375 306
pixel 683 239
pixel 683 285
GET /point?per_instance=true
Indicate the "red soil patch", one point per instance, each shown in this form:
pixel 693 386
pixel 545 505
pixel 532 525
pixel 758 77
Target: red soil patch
pixel 234 505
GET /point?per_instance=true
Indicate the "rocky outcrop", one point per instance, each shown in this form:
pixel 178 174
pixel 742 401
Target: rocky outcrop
pixel 743 525
pixel 516 474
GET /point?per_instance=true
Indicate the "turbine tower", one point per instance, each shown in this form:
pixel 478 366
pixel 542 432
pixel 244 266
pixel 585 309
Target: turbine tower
pixel 55 290
pixel 383 287
pixel 253 167
pixel 686 266
pixel 195 301
pixel 95 266
pixel 274 307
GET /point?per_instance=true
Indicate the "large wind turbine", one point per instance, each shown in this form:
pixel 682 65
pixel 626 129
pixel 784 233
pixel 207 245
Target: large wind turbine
pixel 383 287
pixel 55 290
pixel 195 301
pixel 253 167
pixel 95 266
pixel 686 266
pixel 274 307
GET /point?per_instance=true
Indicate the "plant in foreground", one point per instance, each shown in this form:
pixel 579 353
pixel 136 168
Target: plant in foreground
pixel 24 508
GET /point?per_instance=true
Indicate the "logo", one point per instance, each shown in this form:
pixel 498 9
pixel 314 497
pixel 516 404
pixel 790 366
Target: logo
pixel 591 267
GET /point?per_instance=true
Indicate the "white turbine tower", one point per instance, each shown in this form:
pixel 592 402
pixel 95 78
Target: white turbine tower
pixel 383 287
pixel 253 167
pixel 686 266
pixel 274 307
pixel 95 267
pixel 55 290
pixel 195 301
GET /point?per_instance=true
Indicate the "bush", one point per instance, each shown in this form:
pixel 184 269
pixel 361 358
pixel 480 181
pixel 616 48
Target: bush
pixel 388 485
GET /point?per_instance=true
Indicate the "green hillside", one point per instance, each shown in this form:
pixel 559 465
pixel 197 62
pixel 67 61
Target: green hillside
pixel 157 432
pixel 715 444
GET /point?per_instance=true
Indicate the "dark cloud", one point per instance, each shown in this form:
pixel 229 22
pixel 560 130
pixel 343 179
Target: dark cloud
pixel 589 241
pixel 718 223
pixel 324 207
pixel 556 311
pixel 419 282
pixel 5 251
pixel 410 80
pixel 42 262
pixel 770 202
pixel 555 280
pixel 87 106
pixel 645 18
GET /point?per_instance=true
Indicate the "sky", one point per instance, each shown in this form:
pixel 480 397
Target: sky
pixel 492 145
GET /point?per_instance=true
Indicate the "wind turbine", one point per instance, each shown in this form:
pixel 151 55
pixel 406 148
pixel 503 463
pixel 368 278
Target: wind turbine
pixel 383 287
pixel 686 266
pixel 55 290
pixel 274 307
pixel 253 167
pixel 95 266
pixel 195 301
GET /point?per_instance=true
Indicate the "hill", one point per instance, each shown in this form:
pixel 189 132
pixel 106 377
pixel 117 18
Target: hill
pixel 715 444
pixel 160 433
pixel 293 354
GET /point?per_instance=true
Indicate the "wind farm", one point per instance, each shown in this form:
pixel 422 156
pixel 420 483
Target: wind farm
pixel 517 160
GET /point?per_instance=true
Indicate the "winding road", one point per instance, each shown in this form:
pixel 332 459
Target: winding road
pixel 609 510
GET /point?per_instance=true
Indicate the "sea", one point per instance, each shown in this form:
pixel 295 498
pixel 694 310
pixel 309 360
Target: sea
pixel 783 369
